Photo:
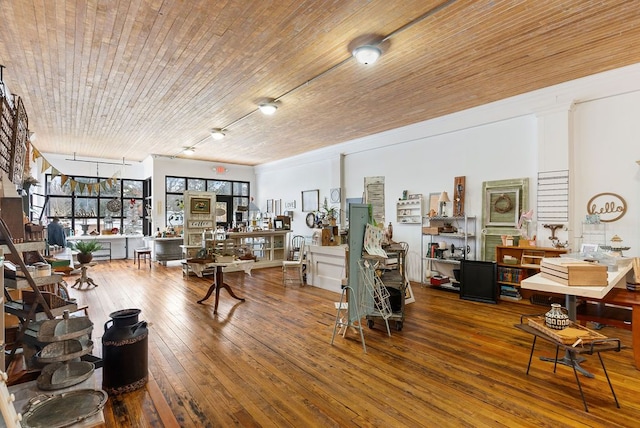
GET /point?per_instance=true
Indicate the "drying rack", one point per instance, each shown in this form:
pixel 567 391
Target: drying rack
pixel 370 299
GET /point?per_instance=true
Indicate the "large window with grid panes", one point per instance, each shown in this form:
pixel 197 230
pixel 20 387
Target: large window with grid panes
pixel 232 199
pixel 118 208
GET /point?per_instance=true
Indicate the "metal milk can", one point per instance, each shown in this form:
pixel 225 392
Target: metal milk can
pixel 124 352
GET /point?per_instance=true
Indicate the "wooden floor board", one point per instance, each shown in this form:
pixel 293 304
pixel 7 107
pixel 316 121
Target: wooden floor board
pixel 268 361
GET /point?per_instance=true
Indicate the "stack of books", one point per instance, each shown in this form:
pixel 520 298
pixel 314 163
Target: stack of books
pixel 509 292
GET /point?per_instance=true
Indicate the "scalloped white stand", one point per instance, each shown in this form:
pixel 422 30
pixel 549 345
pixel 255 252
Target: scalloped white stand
pixel 11 417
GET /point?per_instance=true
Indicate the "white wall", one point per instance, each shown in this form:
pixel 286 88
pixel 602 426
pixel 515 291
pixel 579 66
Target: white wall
pixel 607 146
pixel 492 142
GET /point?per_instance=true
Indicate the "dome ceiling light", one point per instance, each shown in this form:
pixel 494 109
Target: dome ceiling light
pixel 217 134
pixel 367 54
pixel 268 108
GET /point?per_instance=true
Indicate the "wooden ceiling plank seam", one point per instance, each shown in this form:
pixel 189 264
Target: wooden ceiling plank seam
pixel 87 83
pixel 47 66
pixel 154 83
pixel 129 66
pixel 101 41
pixel 79 53
pixel 162 82
pixel 120 34
pixel 113 111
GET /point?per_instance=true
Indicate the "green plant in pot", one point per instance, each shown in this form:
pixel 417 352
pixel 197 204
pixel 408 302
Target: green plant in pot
pixel 85 250
pixel 330 213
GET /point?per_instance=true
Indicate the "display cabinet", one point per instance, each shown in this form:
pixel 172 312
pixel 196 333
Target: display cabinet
pixel 268 246
pixel 518 263
pixel 199 216
pixel 445 241
pixel 409 211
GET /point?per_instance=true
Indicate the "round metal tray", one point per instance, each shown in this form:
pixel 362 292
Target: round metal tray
pixel 61 375
pixel 63 329
pixel 63 410
pixel 65 350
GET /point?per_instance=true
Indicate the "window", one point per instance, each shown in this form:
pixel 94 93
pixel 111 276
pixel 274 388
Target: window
pixel 228 191
pixel 100 209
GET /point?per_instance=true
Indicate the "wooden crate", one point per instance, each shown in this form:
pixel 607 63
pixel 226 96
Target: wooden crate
pixel 574 272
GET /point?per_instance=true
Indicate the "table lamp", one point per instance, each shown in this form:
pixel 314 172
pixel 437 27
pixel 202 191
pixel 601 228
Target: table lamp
pixel 444 198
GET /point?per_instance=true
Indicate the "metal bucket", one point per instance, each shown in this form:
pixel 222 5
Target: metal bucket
pixel 124 352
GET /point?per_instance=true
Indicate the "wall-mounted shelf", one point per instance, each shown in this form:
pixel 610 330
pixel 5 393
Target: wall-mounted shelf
pixel 409 211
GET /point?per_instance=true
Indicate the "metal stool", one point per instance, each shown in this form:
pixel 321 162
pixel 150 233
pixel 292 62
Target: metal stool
pixel 145 253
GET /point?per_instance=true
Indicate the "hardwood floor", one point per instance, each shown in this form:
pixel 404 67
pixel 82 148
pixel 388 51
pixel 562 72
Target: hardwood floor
pixel 268 361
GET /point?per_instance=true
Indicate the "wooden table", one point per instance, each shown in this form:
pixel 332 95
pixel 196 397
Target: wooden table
pixel 218 281
pixel 83 276
pixel 594 347
pixel 539 283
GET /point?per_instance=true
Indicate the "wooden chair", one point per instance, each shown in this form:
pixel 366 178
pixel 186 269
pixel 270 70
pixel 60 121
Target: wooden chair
pixel 294 265
pixel 294 249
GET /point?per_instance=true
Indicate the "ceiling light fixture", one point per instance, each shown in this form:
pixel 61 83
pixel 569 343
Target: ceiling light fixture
pixel 217 134
pixel 268 108
pixel 367 54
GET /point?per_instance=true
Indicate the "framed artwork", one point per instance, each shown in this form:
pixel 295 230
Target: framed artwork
pixel 289 205
pixel 278 207
pixel 200 206
pixel 310 200
pixel 278 225
pixel 502 207
pixel 334 195
pixel 270 205
pixel 434 203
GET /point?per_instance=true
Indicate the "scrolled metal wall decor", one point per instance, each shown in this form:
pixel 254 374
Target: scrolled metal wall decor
pixel 609 206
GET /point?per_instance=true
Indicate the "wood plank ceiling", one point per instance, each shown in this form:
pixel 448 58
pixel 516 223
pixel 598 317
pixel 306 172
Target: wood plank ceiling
pixel 128 78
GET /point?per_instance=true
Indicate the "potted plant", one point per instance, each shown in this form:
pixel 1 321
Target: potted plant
pixel 330 213
pixel 85 250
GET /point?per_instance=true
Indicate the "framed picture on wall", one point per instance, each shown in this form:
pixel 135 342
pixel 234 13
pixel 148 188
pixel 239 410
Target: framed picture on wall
pixel 434 202
pixel 270 205
pixel 310 200
pixel 200 206
pixel 502 206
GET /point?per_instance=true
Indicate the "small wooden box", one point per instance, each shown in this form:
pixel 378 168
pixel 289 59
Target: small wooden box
pixel 574 272
pixel 430 230
pixel 33 232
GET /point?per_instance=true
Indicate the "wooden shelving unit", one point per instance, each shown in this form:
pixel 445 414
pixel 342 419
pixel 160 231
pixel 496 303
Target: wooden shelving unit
pixel 525 262
pixel 39 308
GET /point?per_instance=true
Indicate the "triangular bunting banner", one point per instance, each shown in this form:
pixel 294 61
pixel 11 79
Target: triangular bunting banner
pixel 64 178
